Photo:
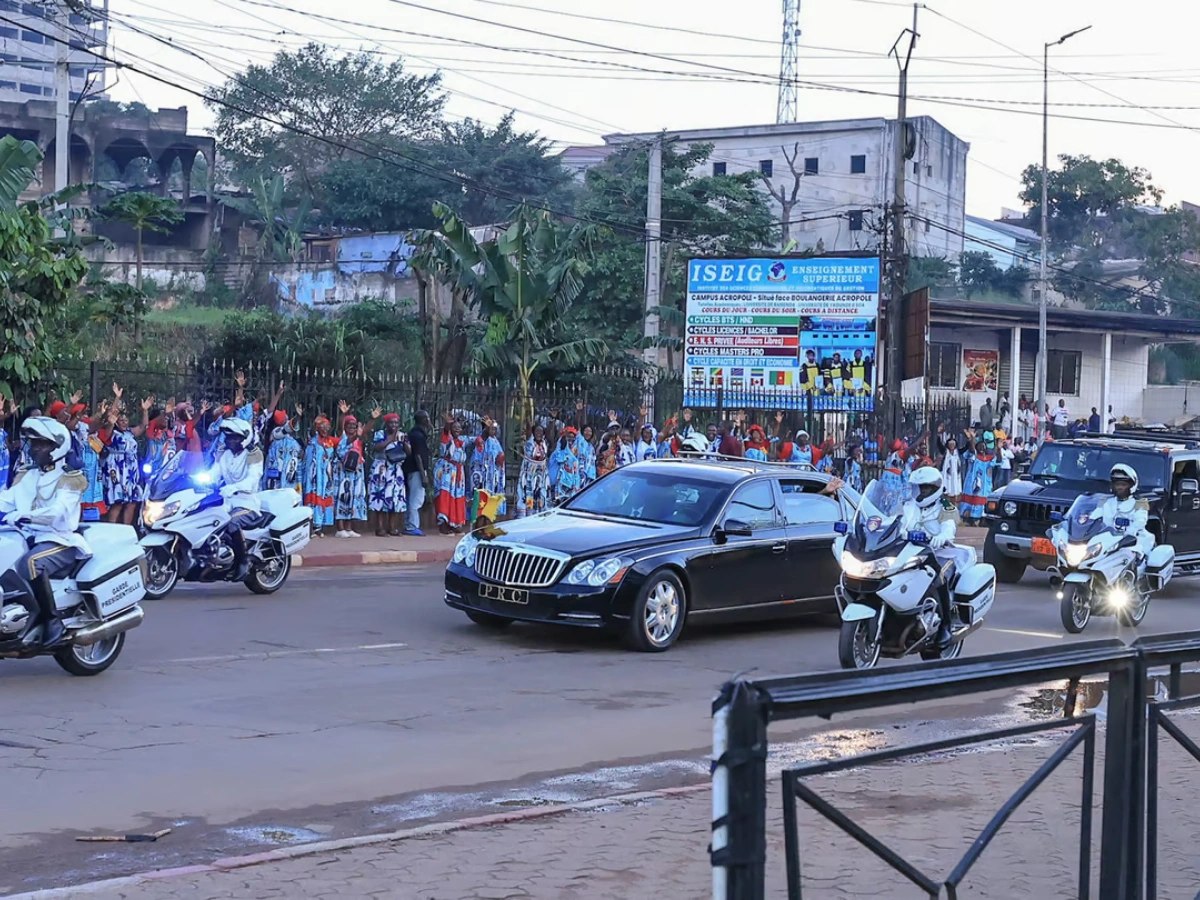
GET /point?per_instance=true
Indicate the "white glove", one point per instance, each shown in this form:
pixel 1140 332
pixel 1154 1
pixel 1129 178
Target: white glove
pixel 937 542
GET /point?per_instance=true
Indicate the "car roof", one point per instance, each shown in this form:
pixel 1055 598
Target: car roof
pixel 1137 443
pixel 730 470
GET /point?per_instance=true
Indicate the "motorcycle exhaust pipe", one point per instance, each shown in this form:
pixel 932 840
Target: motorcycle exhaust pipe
pixel 102 631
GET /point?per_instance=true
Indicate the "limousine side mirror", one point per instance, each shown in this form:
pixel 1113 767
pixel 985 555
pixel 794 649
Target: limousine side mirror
pixel 736 528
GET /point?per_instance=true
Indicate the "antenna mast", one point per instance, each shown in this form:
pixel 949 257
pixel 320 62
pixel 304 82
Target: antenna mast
pixel 790 55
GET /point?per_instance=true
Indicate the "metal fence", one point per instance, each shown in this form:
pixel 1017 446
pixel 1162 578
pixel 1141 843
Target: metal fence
pixel 1136 720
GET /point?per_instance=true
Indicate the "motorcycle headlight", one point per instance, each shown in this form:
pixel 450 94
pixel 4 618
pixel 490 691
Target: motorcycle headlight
pixel 1077 554
pixel 464 551
pixel 153 510
pixel 599 572
pixel 866 568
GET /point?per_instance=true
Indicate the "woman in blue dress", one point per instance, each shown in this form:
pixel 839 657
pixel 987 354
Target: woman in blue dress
pixel 533 486
pixel 854 469
pixel 450 479
pixel 388 499
pixel 319 464
pixel 585 450
pixel 563 466
pixel 487 479
pixel 980 464
pixel 350 500
pixel 283 469
pixel 120 469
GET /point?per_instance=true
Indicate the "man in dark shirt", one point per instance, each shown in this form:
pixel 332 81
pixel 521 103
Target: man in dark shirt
pixel 728 443
pixel 416 468
pixel 1094 421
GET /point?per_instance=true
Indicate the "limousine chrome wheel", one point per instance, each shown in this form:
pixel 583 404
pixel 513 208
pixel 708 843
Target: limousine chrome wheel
pixel 658 613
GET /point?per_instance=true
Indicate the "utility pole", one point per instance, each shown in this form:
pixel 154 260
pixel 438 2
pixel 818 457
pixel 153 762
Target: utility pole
pixel 653 252
pixel 62 96
pixel 1043 281
pixel 895 361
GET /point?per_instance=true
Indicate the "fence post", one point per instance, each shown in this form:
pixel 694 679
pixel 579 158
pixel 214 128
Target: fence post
pixel 739 793
pixel 93 385
pixel 1123 829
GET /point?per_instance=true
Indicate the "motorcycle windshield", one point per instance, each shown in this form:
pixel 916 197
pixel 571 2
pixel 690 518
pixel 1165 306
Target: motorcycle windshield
pixel 177 474
pixel 1083 519
pixel 877 521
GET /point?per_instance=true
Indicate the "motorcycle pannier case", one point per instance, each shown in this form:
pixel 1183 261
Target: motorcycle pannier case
pixel 116 580
pixel 1160 566
pixel 293 528
pixel 974 592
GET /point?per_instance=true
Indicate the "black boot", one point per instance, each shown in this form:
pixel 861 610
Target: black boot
pixel 52 626
pixel 241 564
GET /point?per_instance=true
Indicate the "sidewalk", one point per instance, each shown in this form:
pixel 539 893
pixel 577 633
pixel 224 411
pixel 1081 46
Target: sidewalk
pixel 654 847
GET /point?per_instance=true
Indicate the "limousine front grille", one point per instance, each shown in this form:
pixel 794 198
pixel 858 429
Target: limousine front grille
pixel 517 567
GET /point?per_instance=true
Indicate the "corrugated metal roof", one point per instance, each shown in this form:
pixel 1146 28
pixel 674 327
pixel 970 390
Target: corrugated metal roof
pixel 1060 319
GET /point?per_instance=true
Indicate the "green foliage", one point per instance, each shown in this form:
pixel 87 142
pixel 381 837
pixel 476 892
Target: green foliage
pixel 523 285
pixel 929 271
pixel 355 100
pixel 144 212
pixel 18 167
pixel 977 271
pixel 280 230
pixel 702 215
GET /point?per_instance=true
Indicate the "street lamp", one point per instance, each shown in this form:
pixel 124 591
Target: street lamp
pixel 1045 215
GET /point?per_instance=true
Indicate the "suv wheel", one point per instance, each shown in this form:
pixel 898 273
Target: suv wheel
pixel 1008 570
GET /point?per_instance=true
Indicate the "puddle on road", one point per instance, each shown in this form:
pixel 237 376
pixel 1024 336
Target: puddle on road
pixel 273 834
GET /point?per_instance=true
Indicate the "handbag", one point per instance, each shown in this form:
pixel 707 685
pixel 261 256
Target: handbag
pixel 395 454
pixel 352 460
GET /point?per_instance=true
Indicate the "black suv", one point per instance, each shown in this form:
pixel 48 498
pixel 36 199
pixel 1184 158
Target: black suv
pixel 1168 466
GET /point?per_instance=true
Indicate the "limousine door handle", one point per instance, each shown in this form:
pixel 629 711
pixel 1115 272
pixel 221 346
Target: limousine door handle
pixel 779 548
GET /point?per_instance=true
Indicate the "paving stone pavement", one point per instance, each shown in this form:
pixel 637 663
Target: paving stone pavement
pixel 929 810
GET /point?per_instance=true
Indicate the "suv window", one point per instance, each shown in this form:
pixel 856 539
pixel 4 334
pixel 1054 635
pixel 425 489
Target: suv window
pixel 1083 463
pixel 753 504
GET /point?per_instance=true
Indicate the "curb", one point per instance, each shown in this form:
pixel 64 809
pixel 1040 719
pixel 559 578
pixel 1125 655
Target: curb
pixel 231 863
pixel 371 558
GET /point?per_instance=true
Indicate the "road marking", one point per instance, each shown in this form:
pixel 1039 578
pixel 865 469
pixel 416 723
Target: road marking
pixel 276 654
pixel 1037 634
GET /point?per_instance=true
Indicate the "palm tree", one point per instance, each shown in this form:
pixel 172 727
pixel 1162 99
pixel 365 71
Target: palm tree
pixel 144 212
pixel 523 283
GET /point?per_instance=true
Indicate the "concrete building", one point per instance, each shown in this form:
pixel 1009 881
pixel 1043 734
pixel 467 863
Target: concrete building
pixel 840 173
pixel 1094 358
pixel 1007 244
pixel 27 55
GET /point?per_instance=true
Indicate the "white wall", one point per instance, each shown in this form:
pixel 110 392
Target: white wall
pixel 969 339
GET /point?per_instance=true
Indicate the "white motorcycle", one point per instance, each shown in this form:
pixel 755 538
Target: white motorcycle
pixel 894 589
pixel 98 600
pixel 1099 571
pixel 186 523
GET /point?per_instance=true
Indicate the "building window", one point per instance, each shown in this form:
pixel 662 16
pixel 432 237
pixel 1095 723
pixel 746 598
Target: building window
pixel 858 165
pixel 927 226
pixel 916 168
pixel 7 32
pixel 718 168
pixel 943 365
pixel 8 5
pixel 31 89
pixel 812 165
pixel 32 37
pixel 8 85
pixel 929 171
pixel 856 219
pixel 1062 372
pixel 767 167
pixel 32 9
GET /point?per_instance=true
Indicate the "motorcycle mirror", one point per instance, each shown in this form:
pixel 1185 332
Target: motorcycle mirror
pixel 1056 517
pixel 1121 523
pixel 841 527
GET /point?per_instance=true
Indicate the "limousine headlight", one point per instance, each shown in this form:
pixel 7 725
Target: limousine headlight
pixel 599 572
pixel 464 551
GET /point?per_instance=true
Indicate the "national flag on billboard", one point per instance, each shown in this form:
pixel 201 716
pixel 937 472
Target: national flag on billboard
pixel 781 378
pixel 716 377
pixel 756 378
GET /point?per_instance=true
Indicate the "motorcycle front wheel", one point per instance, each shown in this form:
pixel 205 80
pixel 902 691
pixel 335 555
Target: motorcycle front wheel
pixel 266 577
pixel 856 650
pixel 1075 609
pixel 162 573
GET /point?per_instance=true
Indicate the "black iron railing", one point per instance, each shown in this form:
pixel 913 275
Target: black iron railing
pixel 1129 785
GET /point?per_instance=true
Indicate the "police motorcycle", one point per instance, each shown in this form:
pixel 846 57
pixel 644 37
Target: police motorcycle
pixel 1101 569
pixel 187 525
pixel 895 593
pixel 95 593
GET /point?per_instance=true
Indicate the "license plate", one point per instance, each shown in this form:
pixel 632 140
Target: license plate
pixel 504 594
pixel 1043 547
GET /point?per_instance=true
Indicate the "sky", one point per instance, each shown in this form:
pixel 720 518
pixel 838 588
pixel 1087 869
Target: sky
pixel 573 72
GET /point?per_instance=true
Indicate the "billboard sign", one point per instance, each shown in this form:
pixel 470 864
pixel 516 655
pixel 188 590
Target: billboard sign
pixel 781 333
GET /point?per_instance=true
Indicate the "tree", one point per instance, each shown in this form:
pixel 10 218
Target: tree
pixel 786 197
pixel 977 271
pixel 280 230
pixel 523 285
pixel 703 215
pixel 39 272
pixel 298 115
pixel 144 212
pixel 929 271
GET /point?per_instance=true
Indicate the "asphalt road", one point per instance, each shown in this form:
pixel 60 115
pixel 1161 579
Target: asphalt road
pixel 356 701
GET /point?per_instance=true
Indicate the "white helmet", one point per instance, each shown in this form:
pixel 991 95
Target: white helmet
pixel 927 482
pixel 236 428
pixel 695 443
pixel 1126 472
pixel 42 428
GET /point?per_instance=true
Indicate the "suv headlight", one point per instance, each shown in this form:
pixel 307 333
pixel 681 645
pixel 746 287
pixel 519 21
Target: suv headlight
pixel 153 510
pixel 868 568
pixel 599 572
pixel 1010 508
pixel 464 551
